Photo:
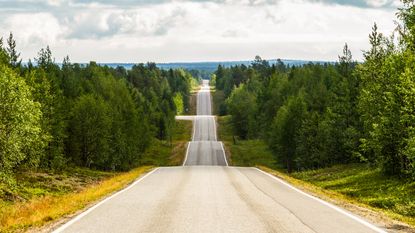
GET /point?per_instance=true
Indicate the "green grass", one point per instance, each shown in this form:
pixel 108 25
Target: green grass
pixel 244 152
pixel 163 153
pixel 360 184
pixel 367 185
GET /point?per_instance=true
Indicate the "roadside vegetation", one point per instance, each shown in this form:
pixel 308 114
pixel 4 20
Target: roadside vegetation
pixel 42 196
pixel 50 196
pixel 359 184
pixel 318 115
pixel 254 152
pixel 346 127
pixel 72 130
pixel 164 153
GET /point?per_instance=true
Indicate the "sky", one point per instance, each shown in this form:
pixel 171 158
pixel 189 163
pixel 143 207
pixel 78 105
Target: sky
pixel 194 30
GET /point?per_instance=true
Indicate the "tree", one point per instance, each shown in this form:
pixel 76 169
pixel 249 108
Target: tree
pixel 21 139
pixel 178 102
pixel 44 59
pixel 13 55
pixel 90 129
pixel 3 53
pixel 286 126
pixel 242 108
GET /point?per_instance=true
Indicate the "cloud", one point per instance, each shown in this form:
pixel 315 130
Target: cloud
pixel 168 30
pixel 363 3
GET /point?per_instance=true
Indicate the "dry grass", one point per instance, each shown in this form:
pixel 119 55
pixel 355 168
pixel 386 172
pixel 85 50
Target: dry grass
pixel 178 153
pixel 42 210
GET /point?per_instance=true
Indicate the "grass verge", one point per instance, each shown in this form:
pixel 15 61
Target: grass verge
pixel 40 198
pixel 369 186
pixel 162 153
pixel 244 152
pixel 359 188
pixel 37 211
pixel 364 189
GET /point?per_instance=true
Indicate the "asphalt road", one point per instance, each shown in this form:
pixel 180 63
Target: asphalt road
pixel 213 199
pixel 203 100
pixel 204 148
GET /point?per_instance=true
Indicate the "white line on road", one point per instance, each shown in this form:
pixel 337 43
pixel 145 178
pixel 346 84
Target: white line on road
pixel 224 155
pixel 77 218
pixel 194 129
pixel 369 225
pixel 214 125
pixel 187 152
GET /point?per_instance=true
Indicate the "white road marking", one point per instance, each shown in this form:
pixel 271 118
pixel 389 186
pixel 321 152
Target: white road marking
pixel 77 218
pixel 367 224
pixel 224 155
pixel 187 152
pixel 214 126
pixel 194 129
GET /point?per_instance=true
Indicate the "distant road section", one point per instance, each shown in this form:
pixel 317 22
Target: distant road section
pixel 204 148
pixel 214 198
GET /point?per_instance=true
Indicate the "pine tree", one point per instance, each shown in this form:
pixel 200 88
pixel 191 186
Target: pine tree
pixel 12 53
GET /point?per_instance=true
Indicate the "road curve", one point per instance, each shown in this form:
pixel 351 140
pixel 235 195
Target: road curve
pixel 213 199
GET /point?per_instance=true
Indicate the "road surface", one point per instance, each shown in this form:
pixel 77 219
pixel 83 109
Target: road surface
pixel 213 198
pixel 204 148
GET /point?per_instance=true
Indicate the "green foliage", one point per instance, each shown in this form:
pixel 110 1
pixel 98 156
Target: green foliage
pixel 386 103
pixel 53 126
pixel 365 184
pixel 21 137
pixel 307 114
pixel 251 152
pixel 90 132
pixel 91 116
pixel 178 103
pixel 285 130
pixel 3 53
pixel 12 54
pixel 325 114
pixel 242 107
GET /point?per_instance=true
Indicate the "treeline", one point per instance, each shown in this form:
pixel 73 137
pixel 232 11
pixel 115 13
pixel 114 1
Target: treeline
pixel 52 116
pixel 318 115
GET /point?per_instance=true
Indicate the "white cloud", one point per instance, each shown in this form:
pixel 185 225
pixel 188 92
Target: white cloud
pixel 179 30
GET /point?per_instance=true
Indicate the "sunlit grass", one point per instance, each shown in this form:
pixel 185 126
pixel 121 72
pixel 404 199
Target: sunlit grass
pixel 164 153
pixel 40 210
pixel 367 185
pixel 244 152
pixel 360 184
pixel 43 197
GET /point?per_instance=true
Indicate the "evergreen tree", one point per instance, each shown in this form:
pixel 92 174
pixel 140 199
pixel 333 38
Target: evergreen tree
pixel 12 53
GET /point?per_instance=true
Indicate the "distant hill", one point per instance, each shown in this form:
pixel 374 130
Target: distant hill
pixel 211 66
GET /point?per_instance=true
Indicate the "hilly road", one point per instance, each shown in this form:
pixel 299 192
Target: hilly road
pixel 206 195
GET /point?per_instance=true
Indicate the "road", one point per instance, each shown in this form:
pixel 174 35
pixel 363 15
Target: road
pixel 204 149
pixel 213 198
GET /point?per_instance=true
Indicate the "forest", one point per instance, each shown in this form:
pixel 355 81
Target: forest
pixel 58 115
pixel 318 115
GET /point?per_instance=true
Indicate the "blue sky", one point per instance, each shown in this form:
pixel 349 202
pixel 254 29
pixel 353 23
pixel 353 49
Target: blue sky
pixel 194 30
